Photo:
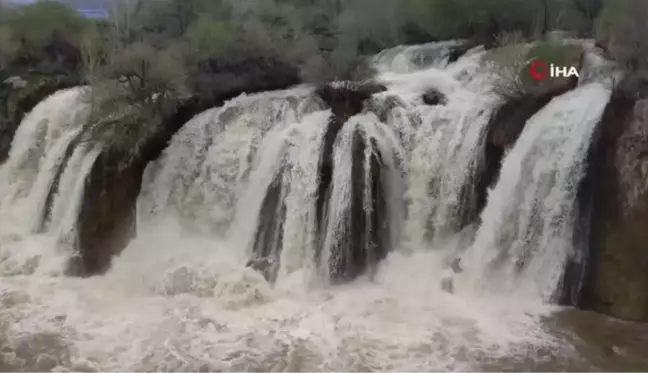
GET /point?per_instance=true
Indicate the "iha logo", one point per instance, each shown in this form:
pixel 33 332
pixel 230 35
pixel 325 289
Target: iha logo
pixel 541 70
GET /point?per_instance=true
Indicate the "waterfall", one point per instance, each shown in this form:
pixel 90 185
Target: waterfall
pixel 408 58
pixel 274 234
pixel 37 152
pixel 525 239
pixel 42 182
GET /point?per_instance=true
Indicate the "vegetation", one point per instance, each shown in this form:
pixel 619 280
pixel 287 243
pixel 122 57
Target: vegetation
pixel 151 56
pixel 623 28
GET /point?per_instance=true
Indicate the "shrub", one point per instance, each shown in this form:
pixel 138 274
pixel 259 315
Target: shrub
pixel 139 88
pixel 510 66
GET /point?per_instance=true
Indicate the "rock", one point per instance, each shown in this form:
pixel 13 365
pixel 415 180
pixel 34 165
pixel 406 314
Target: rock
pixel 268 239
pixel 16 82
pixel 347 98
pixel 617 270
pixel 19 95
pixel 434 97
pixel 364 243
pixel 504 128
pixel 268 267
pixel 106 222
pixel 458 51
pixel 506 124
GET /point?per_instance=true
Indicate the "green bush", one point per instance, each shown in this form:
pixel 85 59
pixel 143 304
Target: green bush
pixel 510 65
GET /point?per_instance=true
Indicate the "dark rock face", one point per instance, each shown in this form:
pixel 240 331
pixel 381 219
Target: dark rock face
pixel 15 103
pixel 107 219
pixel 457 52
pixel 617 268
pixel 268 238
pixel 505 126
pixel 46 214
pixel 347 99
pixel 363 246
pixel 434 97
pixel 365 242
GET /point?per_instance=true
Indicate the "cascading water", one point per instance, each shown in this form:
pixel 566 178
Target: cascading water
pixel 408 58
pixel 43 180
pixel 240 185
pixel 37 153
pixel 525 239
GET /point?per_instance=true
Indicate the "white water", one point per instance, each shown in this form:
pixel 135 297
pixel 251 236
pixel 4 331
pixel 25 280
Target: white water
pixel 36 155
pixel 525 238
pixel 180 299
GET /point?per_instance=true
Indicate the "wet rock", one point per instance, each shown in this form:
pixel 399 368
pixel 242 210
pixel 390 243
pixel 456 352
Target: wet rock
pixel 347 98
pixel 19 95
pixel 505 126
pixel 106 223
pixel 365 241
pixel 617 265
pixel 362 247
pixel 458 51
pixel 268 239
pixel 434 97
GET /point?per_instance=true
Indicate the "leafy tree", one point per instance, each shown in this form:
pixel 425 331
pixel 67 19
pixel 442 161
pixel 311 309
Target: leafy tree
pixel 623 27
pixel 43 31
pixel 481 19
pixel 208 37
pixel 141 85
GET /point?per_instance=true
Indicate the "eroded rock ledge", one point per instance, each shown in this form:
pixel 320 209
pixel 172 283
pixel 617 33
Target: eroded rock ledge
pixel 617 185
pixel 106 223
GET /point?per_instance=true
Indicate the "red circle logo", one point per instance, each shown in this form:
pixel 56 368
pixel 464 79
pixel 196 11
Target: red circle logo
pixel 539 70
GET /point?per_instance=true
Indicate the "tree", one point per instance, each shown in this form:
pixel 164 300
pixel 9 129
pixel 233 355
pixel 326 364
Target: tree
pixel 8 46
pixel 479 19
pixel 138 88
pixel 44 32
pixel 623 27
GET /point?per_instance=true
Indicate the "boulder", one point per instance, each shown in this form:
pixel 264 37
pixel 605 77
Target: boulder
pixel 347 99
pixel 433 97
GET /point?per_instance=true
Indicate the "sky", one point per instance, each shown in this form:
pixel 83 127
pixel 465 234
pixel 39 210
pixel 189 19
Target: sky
pixel 95 9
